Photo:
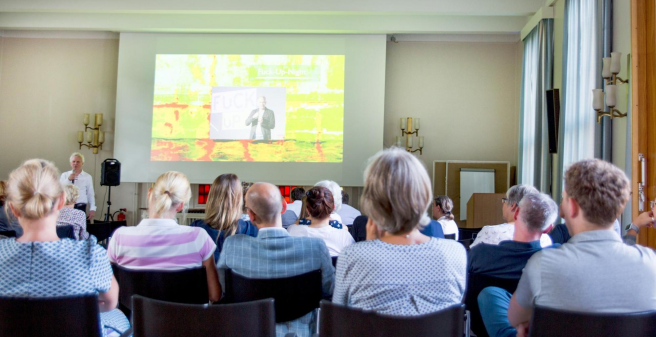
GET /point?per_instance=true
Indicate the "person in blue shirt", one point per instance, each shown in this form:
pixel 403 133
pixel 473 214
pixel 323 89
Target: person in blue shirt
pixel 223 212
pixel 535 214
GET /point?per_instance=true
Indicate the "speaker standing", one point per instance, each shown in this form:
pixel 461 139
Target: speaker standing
pixel 84 183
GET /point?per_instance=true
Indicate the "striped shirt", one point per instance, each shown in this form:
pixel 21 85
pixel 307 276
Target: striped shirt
pixel 160 244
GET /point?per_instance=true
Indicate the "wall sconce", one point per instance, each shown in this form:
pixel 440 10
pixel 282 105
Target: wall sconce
pixel 406 124
pixel 95 138
pixel 611 67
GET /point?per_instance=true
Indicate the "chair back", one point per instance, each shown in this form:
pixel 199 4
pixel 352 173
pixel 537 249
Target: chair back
pixel 66 232
pixel 552 322
pixel 450 236
pixel 360 228
pixel 60 316
pixel 475 284
pixel 103 230
pixel 9 234
pixel 466 243
pixel 165 319
pixel 338 320
pixel 294 296
pixel 334 260
pixel 179 286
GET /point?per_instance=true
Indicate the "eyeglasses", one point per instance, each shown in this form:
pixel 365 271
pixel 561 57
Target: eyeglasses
pixel 504 201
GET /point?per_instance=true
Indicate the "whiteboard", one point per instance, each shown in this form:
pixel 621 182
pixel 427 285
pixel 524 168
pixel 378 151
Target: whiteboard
pixel 474 181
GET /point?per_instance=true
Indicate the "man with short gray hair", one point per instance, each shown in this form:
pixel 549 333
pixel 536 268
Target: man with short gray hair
pixel 497 233
pixel 534 214
pixel 84 182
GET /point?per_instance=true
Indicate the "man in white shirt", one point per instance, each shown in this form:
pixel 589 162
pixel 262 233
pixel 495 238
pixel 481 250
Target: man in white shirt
pixel 84 183
pixel 347 212
pixel 297 201
pixel 497 233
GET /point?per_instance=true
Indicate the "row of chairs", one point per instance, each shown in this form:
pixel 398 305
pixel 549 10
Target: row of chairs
pixel 78 316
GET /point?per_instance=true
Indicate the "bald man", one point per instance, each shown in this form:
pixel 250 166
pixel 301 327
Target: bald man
pixel 274 253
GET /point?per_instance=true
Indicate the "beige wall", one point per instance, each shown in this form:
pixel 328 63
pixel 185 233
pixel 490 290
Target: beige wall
pixel 46 85
pixel 466 94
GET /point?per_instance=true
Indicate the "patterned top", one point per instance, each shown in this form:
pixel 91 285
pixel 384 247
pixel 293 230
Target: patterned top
pixel 374 275
pixel 75 218
pixel 332 223
pixel 58 268
pixel 160 244
pixel 495 234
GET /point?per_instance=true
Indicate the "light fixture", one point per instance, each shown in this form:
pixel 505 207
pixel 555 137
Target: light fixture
pixel 94 137
pixel 611 67
pixel 407 124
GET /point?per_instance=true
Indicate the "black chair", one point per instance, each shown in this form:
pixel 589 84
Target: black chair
pixel 360 228
pixel 351 230
pixel 62 316
pixel 9 234
pixel 466 242
pixel 338 320
pixel 450 236
pixel 475 284
pixel 334 258
pixel 294 296
pixel 165 319
pixel 65 232
pixel 103 230
pixel 180 286
pixel 468 233
pixel 551 322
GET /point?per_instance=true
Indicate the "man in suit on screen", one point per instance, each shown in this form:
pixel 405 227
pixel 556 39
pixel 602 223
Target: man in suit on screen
pixel 264 118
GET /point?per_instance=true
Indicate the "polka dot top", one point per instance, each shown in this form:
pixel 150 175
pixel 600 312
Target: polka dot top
pixel 401 280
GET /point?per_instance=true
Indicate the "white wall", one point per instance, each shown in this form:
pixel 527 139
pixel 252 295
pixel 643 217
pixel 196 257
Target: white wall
pixel 466 94
pixel 46 85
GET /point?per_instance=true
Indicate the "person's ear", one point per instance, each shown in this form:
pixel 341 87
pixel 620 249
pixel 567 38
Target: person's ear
pixel 13 211
pixel 180 207
pixel 284 206
pixel 251 215
pixel 548 229
pixel 61 202
pixel 516 215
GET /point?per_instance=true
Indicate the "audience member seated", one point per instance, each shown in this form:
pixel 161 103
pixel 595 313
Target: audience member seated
pixel 288 218
pixel 497 233
pixel 590 272
pixel 276 254
pixel 319 206
pixel 39 264
pixel 535 214
pixel 560 234
pixel 244 187
pixel 442 207
pixel 71 216
pixel 336 220
pixel 348 213
pixel 296 196
pixel 398 270
pixel 7 220
pixel 159 243
pixel 433 229
pixel 223 212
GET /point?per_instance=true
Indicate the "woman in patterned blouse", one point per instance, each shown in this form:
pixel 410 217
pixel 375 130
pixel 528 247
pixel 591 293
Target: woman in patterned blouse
pixel 39 264
pixel 398 270
pixel 71 216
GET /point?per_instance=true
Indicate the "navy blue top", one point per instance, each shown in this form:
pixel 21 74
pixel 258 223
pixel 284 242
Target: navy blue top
pixel 243 227
pixel 9 223
pixel 433 229
pixel 560 234
pixel 505 260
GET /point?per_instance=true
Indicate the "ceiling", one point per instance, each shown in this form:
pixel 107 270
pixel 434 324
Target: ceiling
pixel 492 17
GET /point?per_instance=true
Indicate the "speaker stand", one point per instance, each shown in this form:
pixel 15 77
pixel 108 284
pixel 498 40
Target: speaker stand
pixel 109 204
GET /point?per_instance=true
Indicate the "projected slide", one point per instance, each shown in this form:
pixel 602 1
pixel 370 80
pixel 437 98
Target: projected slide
pixel 257 108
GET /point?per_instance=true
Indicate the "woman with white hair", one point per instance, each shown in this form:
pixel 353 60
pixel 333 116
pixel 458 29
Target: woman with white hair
pixel 69 216
pixel 398 270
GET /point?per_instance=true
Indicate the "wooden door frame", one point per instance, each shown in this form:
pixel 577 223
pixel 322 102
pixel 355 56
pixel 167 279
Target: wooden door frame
pixel 643 81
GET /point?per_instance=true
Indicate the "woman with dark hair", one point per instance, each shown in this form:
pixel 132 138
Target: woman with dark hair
pixel 223 212
pixel 442 207
pixel 319 204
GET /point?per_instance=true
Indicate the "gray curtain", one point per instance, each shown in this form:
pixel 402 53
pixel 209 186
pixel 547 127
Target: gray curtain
pixel 537 77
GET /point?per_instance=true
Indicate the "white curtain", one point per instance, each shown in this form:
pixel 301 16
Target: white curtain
pixel 537 77
pixel 581 73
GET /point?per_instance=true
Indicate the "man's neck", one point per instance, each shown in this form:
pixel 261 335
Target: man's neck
pixel 268 226
pixel 577 227
pixel 522 234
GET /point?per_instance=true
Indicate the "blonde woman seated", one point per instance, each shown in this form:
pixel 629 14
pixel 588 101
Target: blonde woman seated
pixel 39 264
pixel 319 204
pixel 159 243
pixel 398 270
pixel 71 216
